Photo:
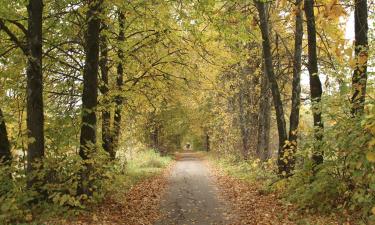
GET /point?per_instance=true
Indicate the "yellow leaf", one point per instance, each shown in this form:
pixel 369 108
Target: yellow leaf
pixel 370 156
pixel 29 217
pixel 352 63
pixel 371 143
pixel 373 210
pixel 362 58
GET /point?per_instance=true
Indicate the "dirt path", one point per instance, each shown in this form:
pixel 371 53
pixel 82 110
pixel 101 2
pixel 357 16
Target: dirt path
pixel 191 197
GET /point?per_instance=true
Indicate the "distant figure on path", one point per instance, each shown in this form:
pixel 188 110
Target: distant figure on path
pixel 187 146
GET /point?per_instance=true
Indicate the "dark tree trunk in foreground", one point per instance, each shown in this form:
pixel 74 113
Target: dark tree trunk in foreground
pixel 90 92
pixel 359 78
pixel 119 83
pixel 35 117
pixel 264 121
pixel 283 164
pixel 315 84
pixel 296 85
pixel 34 88
pixel 106 113
pixel 5 154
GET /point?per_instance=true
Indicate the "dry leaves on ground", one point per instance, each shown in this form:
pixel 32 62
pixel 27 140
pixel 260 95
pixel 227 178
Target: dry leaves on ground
pixel 139 206
pixel 252 207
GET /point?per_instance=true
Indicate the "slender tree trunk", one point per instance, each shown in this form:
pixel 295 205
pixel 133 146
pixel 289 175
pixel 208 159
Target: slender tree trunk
pixel 283 164
pixel 264 121
pixel 90 93
pixel 207 141
pixel 243 122
pixel 155 138
pixel 119 82
pixel 35 117
pixel 5 154
pixel 315 84
pixel 359 78
pixel 296 85
pixel 106 114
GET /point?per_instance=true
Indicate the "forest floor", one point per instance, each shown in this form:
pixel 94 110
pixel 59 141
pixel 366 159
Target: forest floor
pixel 196 191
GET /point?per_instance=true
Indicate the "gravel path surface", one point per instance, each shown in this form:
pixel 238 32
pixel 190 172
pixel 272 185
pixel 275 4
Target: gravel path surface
pixel 191 197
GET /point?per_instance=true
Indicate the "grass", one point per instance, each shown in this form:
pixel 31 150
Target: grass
pixel 252 170
pixel 141 166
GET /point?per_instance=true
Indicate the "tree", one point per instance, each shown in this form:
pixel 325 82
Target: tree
pixel 5 154
pixel 119 84
pixel 359 78
pixel 283 165
pixel 264 120
pixel 296 84
pixel 90 92
pixel 35 116
pixel 34 88
pixel 104 89
pixel 315 84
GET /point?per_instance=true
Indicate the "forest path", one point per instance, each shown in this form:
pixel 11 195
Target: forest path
pixel 192 195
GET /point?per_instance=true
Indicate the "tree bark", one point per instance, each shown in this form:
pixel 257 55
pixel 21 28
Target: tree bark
pixel 359 78
pixel 264 121
pixel 106 114
pixel 119 83
pixel 244 126
pixel 35 116
pixel 283 165
pixel 315 84
pixel 90 92
pixel 296 85
pixel 5 154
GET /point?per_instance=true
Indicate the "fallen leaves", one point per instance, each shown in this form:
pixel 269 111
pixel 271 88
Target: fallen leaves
pixel 138 206
pixel 251 206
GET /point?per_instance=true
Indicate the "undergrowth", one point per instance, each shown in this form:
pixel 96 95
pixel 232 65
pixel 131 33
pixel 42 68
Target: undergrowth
pixel 20 205
pixel 344 184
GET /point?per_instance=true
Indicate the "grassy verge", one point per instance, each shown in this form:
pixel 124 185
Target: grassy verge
pixel 143 165
pixel 250 170
pixel 263 177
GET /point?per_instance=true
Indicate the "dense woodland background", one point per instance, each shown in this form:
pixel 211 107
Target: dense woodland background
pixel 272 86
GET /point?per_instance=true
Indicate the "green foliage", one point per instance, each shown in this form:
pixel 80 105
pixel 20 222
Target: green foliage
pixel 19 204
pixel 346 179
pixel 143 164
pixel 250 170
pixel 147 160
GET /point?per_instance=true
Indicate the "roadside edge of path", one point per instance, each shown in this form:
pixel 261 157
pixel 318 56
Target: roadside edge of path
pixel 254 207
pixel 138 206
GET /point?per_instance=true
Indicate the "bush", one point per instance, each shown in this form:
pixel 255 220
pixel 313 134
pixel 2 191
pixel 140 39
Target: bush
pixel 346 179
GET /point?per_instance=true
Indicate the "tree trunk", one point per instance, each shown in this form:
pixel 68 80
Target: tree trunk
pixel 244 127
pixel 207 141
pixel 283 164
pixel 155 138
pixel 119 83
pixel 35 117
pixel 315 84
pixel 90 92
pixel 359 78
pixel 264 121
pixel 5 154
pixel 106 114
pixel 296 85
